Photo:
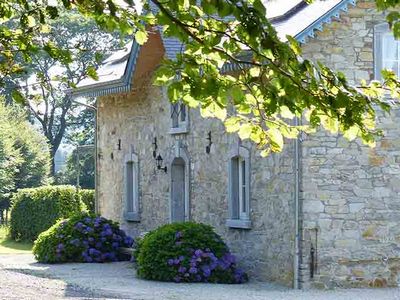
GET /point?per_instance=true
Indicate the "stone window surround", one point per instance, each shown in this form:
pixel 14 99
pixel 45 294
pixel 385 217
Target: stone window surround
pixel 133 160
pixel 379 30
pixel 181 152
pixel 243 222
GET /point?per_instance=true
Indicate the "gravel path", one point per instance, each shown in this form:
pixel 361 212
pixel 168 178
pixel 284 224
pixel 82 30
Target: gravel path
pixel 22 278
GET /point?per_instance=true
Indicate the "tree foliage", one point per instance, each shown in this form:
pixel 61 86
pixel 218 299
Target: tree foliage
pixel 47 75
pixel 86 169
pixel 24 155
pixel 273 85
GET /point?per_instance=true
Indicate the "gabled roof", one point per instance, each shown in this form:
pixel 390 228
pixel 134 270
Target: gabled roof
pixel 290 17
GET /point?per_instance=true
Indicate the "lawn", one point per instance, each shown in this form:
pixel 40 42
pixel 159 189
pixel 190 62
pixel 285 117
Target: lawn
pixel 8 246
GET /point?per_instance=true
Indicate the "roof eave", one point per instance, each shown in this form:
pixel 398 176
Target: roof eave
pixel 121 85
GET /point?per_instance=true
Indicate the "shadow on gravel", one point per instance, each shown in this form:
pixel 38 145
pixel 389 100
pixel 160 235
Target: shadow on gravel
pixel 71 290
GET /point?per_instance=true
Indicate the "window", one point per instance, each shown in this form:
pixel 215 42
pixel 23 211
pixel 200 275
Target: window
pixel 386 51
pixel 239 188
pixel 132 188
pixel 179 118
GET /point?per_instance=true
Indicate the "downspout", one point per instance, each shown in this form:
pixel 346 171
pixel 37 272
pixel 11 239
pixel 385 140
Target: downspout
pixel 96 161
pixel 296 261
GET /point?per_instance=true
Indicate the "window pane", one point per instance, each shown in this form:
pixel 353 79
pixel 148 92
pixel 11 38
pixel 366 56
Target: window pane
pixel 243 189
pixel 391 53
pixel 134 188
pixel 130 186
pixel 390 48
pixel 183 112
pixel 175 115
pixel 235 189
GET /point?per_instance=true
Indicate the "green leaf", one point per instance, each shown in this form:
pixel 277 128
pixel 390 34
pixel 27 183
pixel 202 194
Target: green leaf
pixel 17 96
pixel 92 73
pixel 276 139
pixel 31 21
pixel 141 37
pixel 245 131
pixel 232 124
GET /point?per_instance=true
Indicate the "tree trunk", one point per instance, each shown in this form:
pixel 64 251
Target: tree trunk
pixel 52 161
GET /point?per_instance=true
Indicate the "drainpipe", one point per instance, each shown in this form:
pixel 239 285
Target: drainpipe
pixel 296 261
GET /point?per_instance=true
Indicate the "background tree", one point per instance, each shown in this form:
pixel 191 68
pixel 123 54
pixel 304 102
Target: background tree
pixel 24 153
pixel 86 169
pixel 273 84
pixel 45 79
pixel 81 132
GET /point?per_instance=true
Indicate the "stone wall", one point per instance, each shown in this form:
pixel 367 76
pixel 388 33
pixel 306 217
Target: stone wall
pixel 350 193
pixel 265 250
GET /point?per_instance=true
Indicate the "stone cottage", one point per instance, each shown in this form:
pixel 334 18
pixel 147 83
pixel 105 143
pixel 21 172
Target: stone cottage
pixel 323 213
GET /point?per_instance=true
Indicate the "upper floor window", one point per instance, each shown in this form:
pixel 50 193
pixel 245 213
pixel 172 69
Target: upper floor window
pixel 179 118
pixel 239 188
pixel 386 51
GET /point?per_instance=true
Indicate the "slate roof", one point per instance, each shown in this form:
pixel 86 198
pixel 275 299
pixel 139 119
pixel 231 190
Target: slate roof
pixel 290 17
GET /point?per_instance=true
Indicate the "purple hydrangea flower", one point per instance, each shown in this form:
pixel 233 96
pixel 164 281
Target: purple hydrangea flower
pixel 198 252
pixel 115 245
pixel 128 241
pixel 178 234
pixel 206 271
pixel 193 270
pixel 170 261
pixel 182 269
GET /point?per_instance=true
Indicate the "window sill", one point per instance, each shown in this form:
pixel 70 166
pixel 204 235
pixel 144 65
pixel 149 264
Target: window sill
pixel 132 216
pixel 238 223
pixel 179 130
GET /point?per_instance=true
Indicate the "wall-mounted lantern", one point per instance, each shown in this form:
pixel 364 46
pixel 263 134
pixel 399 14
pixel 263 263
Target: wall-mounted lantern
pixel 155 147
pixel 208 147
pixel 159 161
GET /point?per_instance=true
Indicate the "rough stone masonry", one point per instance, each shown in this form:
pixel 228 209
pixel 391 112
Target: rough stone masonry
pixel 350 203
pixel 350 193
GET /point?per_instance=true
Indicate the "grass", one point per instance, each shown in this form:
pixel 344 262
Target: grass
pixel 9 246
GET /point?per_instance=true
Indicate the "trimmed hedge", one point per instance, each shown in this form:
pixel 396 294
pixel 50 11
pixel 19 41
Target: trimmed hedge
pixel 87 197
pixel 35 210
pixel 83 237
pixel 186 252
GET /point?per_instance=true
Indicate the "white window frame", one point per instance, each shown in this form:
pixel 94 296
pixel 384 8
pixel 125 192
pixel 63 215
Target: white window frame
pixel 241 217
pixel 131 164
pixel 183 126
pixel 380 31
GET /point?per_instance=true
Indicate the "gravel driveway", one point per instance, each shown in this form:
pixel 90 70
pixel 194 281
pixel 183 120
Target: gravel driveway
pixel 22 278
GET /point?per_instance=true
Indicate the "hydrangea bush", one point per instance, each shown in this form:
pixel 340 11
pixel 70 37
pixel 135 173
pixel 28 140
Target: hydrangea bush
pixel 186 252
pixel 82 238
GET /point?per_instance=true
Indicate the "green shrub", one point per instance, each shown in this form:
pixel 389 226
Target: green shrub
pixel 186 252
pixel 87 197
pixel 84 237
pixel 35 210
